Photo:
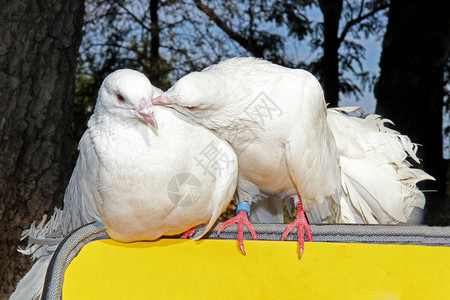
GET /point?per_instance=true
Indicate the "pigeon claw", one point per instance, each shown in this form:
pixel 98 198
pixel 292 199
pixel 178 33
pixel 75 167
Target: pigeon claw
pixel 241 219
pixel 302 224
pixel 241 246
pixel 188 233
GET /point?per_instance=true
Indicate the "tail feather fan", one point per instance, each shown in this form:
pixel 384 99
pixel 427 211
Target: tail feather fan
pixel 379 184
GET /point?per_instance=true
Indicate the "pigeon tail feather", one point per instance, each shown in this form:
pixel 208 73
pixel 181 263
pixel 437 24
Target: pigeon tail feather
pixel 31 285
pixel 267 209
pixel 379 185
pixel 43 239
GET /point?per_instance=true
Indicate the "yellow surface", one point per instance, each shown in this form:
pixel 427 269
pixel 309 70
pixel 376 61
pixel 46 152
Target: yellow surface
pixel 215 269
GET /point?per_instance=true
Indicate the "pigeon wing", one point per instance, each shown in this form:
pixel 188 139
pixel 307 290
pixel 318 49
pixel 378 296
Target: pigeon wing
pixel 82 199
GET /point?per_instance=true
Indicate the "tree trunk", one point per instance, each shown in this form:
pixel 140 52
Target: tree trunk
pixel 154 59
pixel 331 11
pixel 154 42
pixel 39 43
pixel 410 88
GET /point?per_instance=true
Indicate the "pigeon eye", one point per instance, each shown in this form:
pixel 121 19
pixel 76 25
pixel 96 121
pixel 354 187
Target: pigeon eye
pixel 120 98
pixel 191 107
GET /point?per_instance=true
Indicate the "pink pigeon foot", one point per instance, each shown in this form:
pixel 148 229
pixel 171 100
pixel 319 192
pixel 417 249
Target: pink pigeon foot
pixel 188 233
pixel 302 223
pixel 241 219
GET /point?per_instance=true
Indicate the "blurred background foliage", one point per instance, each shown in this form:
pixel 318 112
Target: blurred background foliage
pixel 168 39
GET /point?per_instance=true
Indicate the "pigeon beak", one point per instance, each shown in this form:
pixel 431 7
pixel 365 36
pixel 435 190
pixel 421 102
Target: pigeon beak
pixel 161 100
pixel 146 113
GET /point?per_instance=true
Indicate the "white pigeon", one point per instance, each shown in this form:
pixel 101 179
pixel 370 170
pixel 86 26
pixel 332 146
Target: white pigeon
pixel 140 182
pixel 289 145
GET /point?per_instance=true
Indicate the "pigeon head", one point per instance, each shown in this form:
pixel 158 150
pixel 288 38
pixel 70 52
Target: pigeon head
pixel 196 94
pixel 128 93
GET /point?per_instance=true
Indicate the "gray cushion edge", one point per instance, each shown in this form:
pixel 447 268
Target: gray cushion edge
pixel 342 233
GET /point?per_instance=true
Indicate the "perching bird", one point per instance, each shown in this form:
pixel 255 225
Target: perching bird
pixel 142 183
pixel 289 145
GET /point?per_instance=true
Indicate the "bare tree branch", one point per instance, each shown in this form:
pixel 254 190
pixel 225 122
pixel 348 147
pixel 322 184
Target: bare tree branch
pixel 358 20
pixel 115 45
pixel 139 21
pixel 253 48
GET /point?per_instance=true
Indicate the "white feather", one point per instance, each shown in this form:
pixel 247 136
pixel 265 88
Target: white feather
pixel 31 285
pixel 378 182
pixel 345 169
pixel 275 119
pixel 126 172
pixel 267 210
